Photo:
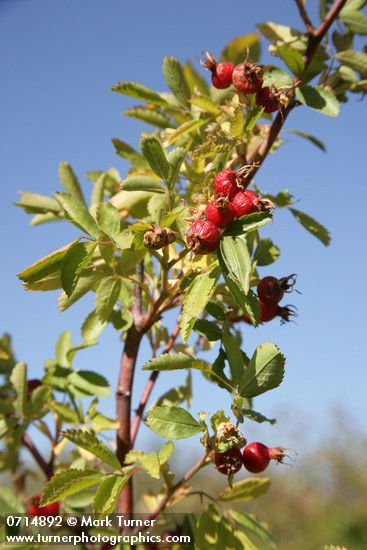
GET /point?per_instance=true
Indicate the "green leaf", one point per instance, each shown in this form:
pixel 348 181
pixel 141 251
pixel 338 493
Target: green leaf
pixel 92 327
pixel 235 256
pixel 127 152
pixel 165 453
pixel 47 265
pixel 177 395
pixel 356 21
pixel 108 218
pixel 185 128
pixel 75 260
pixel 175 78
pixel 249 223
pixel 354 60
pixel 90 383
pixel 234 356
pixel 237 123
pixel 34 203
pixel 156 157
pixel 18 378
pixel 68 483
pixel 106 297
pixel 78 214
pixel 276 75
pixel 174 361
pixel 244 490
pixel 313 226
pixel 197 296
pixel 195 81
pixel 173 422
pixel 38 401
pixel 107 494
pixel 293 59
pixel 65 413
pixel 266 252
pixel 319 99
pixel 63 345
pixel 241 48
pixel 149 462
pixel 89 442
pixel 142 183
pixel 309 137
pixel 281 34
pixel 70 181
pixel 150 117
pixel 100 423
pixel 253 526
pixel 175 159
pixel 256 416
pixel 264 372
pixel 133 89
pixel 252 117
pixel 206 104
pixel 87 281
pixel 208 329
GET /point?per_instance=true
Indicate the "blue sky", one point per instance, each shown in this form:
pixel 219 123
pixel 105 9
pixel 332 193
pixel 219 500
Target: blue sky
pixel 57 61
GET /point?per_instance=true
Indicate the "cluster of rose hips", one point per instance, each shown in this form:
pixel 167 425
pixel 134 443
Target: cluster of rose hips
pixel 255 457
pixel 230 202
pixel 270 292
pixel 247 78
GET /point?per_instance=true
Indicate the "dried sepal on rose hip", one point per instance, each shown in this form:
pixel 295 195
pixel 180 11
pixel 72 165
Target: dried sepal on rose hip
pixel 229 462
pixel 227 436
pixel 257 456
pixel 220 212
pixel 158 237
pixel 247 202
pixel 271 310
pixel 247 77
pixel 271 290
pixel 221 72
pixel 203 237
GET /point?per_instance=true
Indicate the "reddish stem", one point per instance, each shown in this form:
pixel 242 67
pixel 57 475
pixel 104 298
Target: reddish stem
pixel 28 442
pixel 304 15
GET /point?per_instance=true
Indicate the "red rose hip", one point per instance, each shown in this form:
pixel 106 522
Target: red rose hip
pixel 247 202
pixel 220 212
pixel 222 74
pixel 229 462
pixel 256 456
pixel 271 290
pixel 203 237
pixel 35 509
pixel 247 78
pixel 225 184
pixel 267 98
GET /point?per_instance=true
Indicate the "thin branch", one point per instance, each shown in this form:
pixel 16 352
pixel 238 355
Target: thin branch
pixel 28 443
pixel 149 388
pixel 303 13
